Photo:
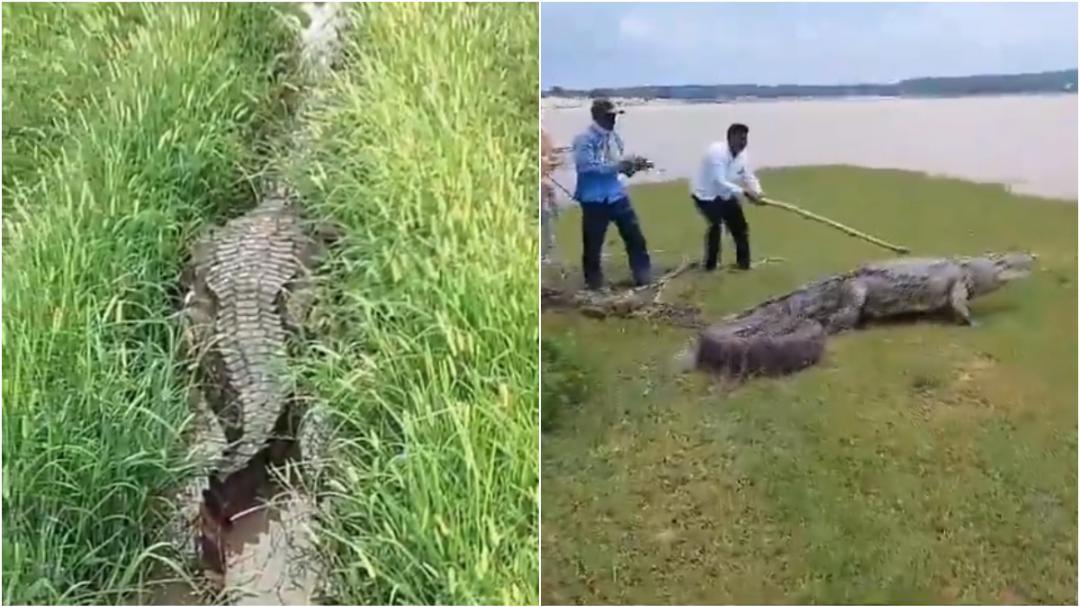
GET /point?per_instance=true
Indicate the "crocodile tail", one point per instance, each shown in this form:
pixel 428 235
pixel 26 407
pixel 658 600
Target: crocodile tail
pixel 722 350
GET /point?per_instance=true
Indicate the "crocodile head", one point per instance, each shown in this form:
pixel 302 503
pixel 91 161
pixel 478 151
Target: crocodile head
pixel 277 196
pixel 991 272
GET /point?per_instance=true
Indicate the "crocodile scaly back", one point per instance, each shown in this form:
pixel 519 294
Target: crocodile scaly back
pixel 247 266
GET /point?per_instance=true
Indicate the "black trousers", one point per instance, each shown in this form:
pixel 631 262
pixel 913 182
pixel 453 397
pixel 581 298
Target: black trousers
pixel 728 211
pixel 595 218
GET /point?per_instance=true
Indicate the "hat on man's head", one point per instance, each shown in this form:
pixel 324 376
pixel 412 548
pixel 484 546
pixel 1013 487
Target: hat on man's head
pixel 605 106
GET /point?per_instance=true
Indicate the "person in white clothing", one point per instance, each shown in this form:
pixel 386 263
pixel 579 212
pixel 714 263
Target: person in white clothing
pixel 723 177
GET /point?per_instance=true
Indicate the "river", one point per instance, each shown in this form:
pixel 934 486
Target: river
pixel 1026 142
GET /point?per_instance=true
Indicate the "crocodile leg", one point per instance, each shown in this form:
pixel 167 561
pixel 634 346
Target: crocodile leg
pixel 850 311
pixel 958 303
pixel 299 293
pixel 197 323
pixel 327 234
pixel 297 299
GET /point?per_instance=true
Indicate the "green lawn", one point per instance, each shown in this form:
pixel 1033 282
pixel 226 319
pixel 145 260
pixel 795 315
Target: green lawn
pixel 919 463
pixel 425 153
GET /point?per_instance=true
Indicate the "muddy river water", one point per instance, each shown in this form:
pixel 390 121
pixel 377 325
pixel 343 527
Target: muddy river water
pixel 1028 142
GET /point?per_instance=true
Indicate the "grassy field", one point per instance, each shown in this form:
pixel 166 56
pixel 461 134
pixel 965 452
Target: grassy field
pixel 125 129
pixel 425 154
pixel 919 463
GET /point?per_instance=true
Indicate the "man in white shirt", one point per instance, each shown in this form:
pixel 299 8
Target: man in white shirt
pixel 725 175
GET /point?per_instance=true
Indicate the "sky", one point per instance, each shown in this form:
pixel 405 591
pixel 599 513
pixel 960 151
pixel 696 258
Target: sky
pixel 625 44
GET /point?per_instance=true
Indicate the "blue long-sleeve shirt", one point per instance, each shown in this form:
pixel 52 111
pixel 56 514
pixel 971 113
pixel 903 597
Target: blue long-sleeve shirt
pixel 596 156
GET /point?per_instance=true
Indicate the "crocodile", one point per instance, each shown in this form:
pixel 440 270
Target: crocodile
pixel 248 290
pixel 787 333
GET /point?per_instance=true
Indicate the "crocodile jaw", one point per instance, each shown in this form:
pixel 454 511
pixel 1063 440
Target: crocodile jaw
pixel 1011 275
pixel 1014 266
pixel 990 273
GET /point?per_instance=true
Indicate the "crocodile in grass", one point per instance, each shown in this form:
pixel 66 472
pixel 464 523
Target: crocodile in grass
pixel 787 333
pixel 248 290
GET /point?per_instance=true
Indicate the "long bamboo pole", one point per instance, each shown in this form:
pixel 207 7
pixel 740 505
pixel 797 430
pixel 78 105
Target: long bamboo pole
pixel 836 224
pixel 808 215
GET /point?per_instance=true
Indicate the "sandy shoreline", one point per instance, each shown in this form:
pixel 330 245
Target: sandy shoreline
pixel 1026 142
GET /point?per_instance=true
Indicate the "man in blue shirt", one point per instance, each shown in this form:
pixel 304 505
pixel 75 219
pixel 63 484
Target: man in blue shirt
pixel 599 162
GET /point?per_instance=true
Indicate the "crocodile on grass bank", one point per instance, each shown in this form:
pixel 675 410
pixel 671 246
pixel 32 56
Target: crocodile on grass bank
pixel 788 333
pixel 248 290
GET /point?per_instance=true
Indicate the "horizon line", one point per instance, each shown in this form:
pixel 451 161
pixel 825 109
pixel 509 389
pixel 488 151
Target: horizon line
pixel 849 84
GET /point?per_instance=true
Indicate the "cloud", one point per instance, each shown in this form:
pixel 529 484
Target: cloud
pixel 636 29
pixel 651 32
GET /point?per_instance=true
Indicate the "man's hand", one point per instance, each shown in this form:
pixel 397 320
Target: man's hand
pixel 633 164
pixel 641 163
pixel 754 198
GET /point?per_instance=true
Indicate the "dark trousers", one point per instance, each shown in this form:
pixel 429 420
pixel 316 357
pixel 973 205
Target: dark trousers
pixel 725 211
pixel 594 223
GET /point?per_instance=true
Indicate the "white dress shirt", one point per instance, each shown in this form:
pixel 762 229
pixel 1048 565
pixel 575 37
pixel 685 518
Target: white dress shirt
pixel 722 176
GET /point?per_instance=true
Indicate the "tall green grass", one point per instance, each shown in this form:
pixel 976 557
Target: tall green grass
pixel 144 143
pixel 426 154
pixel 68 46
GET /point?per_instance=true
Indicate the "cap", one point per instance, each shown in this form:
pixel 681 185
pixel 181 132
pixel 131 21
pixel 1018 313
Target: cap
pixel 605 106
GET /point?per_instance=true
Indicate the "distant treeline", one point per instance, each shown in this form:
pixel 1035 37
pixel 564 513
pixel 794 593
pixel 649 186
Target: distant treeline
pixel 1042 82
